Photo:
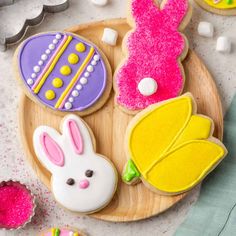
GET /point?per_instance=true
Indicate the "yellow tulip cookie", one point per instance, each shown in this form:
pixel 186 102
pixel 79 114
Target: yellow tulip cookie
pixel 170 147
pixel 222 7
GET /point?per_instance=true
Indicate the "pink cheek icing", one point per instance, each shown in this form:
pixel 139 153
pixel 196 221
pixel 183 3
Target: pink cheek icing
pixel 153 51
pixel 15 206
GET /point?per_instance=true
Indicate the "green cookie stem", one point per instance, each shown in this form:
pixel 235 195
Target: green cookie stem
pixel 131 172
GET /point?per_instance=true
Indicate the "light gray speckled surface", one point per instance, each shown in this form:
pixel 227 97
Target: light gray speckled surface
pixel 12 159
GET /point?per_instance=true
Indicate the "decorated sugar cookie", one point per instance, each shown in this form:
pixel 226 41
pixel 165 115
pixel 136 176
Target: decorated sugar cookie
pixel 64 72
pixel 170 147
pixel 61 232
pixel 82 180
pixel 222 7
pixel 152 71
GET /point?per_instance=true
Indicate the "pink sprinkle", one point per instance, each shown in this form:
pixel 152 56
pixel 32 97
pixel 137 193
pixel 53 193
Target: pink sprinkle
pixel 16 205
pixel 84 184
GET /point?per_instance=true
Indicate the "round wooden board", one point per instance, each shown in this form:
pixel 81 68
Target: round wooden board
pixel 226 12
pixel 109 124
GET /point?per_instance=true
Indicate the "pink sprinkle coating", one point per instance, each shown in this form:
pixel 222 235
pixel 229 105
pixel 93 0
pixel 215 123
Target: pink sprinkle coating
pixel 154 48
pixel 16 205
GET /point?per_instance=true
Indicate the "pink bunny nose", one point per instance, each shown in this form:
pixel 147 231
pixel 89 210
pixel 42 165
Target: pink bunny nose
pixel 84 184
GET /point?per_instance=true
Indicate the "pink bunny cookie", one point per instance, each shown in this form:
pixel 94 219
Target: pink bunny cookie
pixel 82 180
pixel 152 71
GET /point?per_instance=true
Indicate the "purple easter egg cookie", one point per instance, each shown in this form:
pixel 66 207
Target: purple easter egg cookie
pixel 63 71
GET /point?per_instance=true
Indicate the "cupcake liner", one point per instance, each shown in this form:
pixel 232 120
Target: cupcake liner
pixel 12 182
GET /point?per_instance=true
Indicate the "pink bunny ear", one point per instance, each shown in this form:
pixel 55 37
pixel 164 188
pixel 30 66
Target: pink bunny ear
pixel 140 8
pixel 175 10
pixel 52 150
pixel 75 136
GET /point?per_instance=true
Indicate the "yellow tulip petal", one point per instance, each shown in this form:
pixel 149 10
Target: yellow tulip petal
pixel 185 166
pixel 156 131
pixel 199 127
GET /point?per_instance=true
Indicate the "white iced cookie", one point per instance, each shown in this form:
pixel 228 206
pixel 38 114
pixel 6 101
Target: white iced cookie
pixel 223 44
pixel 206 29
pixel 147 86
pixel 82 180
pixel 100 3
pixel 110 36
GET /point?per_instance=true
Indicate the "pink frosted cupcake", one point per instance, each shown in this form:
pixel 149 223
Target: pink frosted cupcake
pixel 17 205
pixel 62 232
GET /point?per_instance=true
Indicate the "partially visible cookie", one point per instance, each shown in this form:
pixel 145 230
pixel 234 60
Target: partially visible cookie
pixel 64 72
pixel 221 7
pixel 152 70
pixel 62 232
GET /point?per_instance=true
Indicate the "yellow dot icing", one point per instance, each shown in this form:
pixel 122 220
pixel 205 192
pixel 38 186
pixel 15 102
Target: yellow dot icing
pixel 73 58
pixel 80 47
pixel 65 70
pixel 222 4
pixel 172 147
pixel 50 94
pixel 57 83
pixel 53 230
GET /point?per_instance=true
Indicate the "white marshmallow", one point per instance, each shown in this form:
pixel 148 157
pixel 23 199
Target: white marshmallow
pixel 100 3
pixel 147 86
pixel 223 44
pixel 206 29
pixel 110 36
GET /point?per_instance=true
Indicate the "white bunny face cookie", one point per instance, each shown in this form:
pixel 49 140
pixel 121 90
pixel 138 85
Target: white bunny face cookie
pixel 82 180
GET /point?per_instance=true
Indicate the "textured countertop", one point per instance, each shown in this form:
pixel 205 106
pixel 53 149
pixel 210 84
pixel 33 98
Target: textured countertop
pixel 12 160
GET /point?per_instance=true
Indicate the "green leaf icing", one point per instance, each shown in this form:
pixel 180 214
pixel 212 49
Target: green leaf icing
pixel 131 172
pixel 229 2
pixel 57 232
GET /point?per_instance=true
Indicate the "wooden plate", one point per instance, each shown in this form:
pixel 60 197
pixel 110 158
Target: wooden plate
pixel 224 12
pixel 109 124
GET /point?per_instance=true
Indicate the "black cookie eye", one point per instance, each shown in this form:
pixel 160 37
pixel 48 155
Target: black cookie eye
pixel 70 181
pixel 89 173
